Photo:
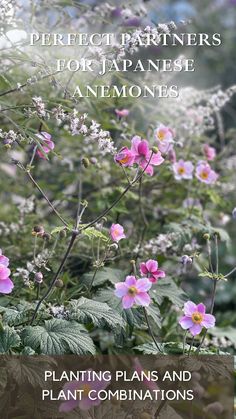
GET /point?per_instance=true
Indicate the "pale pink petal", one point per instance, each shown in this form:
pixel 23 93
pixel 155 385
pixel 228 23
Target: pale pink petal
pixel 208 321
pixel 201 308
pixel 159 273
pixel 142 299
pixel 148 169
pixel 6 286
pixel 143 268
pixel 85 403
pixel 143 284
pixel 135 143
pixel 68 405
pixel 186 322
pixel 4 272
pixel 156 159
pixel 195 329
pixel 152 265
pixel 4 260
pixel 130 280
pixel 121 289
pixel 127 301
pixel 189 308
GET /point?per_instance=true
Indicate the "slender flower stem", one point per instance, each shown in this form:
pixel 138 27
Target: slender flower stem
pixel 184 341
pixel 230 273
pixel 191 345
pixel 42 193
pixel 62 264
pixel 150 330
pixel 105 212
pixel 213 296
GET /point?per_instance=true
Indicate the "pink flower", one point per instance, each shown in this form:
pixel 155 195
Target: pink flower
pixel 142 153
pixel 6 285
pixel 164 136
pixel 172 155
pixel 183 170
pixel 88 396
pixel 134 291
pixel 47 144
pixel 3 259
pixel 205 173
pixel 125 157
pixel 117 232
pixel 150 270
pixel 209 152
pixel 122 113
pixel 195 318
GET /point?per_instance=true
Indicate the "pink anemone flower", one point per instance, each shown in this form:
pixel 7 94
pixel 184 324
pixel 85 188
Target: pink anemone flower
pixel 117 232
pixel 209 152
pixel 183 170
pixel 125 157
pixel 122 113
pixel 164 136
pixel 151 271
pixel 6 285
pixel 144 156
pixel 134 291
pixel 205 173
pixel 88 390
pixel 47 144
pixel 195 318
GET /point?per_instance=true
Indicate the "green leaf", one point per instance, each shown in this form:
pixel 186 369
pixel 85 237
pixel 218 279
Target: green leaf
pixel 154 312
pixel 9 339
pixel 168 289
pixel 103 275
pixel 100 314
pixel 93 233
pixel 58 337
pixel 148 349
pixel 226 332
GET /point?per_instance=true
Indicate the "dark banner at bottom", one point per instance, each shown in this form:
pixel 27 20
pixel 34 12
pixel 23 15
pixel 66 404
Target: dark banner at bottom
pixel 119 387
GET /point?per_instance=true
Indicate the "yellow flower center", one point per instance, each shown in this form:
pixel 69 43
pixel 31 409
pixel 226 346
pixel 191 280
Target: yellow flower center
pixel 204 175
pixel 181 170
pixel 132 291
pixel 197 317
pixel 86 389
pixel 124 160
pixel 161 135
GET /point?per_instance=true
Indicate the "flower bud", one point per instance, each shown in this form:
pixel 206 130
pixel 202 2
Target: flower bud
pixel 59 283
pixel 155 149
pixel 62 233
pixel 206 236
pixel 93 160
pixel 85 162
pixel 186 260
pixel 47 236
pixel 38 231
pixel 234 213
pixel 38 277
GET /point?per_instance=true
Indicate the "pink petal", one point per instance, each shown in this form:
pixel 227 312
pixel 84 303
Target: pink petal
pixel 6 286
pixel 130 280
pixel 186 322
pixel 121 289
pixel 142 299
pixel 208 321
pixel 152 265
pixel 127 301
pixel 143 268
pixel 189 308
pixel 4 260
pixel 201 308
pixel 143 148
pixel 4 272
pixel 148 169
pixel 195 329
pixel 68 405
pixel 143 284
pixel 159 273
pixel 135 142
pixel 85 403
pixel 156 159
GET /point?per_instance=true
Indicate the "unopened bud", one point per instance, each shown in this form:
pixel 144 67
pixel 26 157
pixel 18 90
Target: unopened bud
pixel 85 162
pixel 47 236
pixel 155 149
pixel 93 160
pixel 186 260
pixel 59 283
pixel 63 233
pixel 38 277
pixel 206 236
pixel 38 231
